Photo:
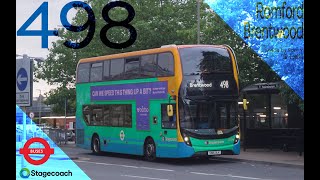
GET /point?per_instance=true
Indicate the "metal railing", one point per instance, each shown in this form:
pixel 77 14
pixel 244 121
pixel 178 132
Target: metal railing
pixel 257 122
pixel 57 136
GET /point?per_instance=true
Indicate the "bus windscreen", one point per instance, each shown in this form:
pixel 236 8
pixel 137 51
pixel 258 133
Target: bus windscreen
pixel 205 60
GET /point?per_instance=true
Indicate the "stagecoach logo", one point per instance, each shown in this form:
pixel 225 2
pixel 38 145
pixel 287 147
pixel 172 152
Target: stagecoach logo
pixel 122 135
pixel 200 85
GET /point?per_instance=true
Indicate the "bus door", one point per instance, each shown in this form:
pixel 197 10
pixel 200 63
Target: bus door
pixel 168 131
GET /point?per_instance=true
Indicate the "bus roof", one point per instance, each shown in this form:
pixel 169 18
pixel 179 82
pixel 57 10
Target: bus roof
pixel 164 48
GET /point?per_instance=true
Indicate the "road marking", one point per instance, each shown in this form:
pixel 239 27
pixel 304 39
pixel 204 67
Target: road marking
pixel 107 164
pixel 121 165
pixel 156 169
pixel 228 175
pixel 84 158
pixel 142 177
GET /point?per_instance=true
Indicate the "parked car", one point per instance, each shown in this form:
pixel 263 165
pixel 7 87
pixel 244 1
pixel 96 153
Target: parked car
pixel 71 135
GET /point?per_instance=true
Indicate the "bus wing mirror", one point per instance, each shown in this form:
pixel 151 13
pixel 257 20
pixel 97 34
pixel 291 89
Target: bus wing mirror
pixel 170 110
pixel 245 107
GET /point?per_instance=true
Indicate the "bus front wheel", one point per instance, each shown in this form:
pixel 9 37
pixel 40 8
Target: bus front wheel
pixel 95 144
pixel 149 150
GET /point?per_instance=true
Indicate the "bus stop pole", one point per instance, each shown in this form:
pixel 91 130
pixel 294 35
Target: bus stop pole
pixel 24 135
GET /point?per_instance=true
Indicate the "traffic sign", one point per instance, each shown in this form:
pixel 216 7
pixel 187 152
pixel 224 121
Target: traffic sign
pixel 24 81
pixel 31 115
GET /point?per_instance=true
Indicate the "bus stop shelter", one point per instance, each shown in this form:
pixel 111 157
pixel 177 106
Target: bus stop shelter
pixel 270 122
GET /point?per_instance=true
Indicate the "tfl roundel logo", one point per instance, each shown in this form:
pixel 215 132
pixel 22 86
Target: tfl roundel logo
pixel 26 151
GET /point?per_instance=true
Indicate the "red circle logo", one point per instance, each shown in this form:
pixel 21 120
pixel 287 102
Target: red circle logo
pixel 47 151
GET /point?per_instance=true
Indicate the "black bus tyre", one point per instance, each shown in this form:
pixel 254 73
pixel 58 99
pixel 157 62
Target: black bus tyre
pixel 149 150
pixel 95 145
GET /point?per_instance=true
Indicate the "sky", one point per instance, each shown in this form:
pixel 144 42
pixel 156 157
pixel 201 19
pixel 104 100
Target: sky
pixel 31 45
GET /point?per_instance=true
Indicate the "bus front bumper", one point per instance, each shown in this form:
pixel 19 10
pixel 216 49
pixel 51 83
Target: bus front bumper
pixel 189 151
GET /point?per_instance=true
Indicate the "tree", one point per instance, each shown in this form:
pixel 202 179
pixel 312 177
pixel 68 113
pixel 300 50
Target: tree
pixel 157 23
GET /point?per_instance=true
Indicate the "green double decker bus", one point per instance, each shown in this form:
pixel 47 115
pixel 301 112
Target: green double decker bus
pixel 175 101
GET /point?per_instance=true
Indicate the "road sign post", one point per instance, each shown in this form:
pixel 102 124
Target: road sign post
pixel 24 81
pixel 24 136
pixel 24 78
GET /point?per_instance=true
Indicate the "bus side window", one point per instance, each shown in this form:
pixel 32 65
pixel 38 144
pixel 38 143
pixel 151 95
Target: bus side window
pixel 128 116
pixel 168 122
pixel 148 66
pixel 106 70
pixel 96 72
pixel 117 69
pixel 107 115
pixel 117 113
pixel 165 65
pixel 131 68
pixel 83 73
pixel 86 114
pixel 97 115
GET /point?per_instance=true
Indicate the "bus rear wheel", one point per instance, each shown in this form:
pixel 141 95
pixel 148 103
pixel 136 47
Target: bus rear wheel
pixel 149 150
pixel 95 144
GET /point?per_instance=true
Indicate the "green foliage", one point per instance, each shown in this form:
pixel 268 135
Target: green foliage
pixel 157 23
pixel 58 97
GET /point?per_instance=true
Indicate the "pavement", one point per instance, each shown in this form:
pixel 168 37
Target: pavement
pixel 264 156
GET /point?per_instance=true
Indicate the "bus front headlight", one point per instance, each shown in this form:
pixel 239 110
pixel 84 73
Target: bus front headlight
pixel 186 140
pixel 236 139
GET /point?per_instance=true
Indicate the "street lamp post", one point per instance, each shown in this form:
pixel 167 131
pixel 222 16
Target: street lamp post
pixel 39 106
pixel 198 19
pixel 65 113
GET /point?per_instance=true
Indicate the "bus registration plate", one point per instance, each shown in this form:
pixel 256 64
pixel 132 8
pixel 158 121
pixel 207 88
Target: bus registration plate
pixel 211 153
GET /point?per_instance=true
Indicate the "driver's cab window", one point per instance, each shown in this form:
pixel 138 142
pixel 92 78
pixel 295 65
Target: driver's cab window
pixel 202 113
pixel 166 121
